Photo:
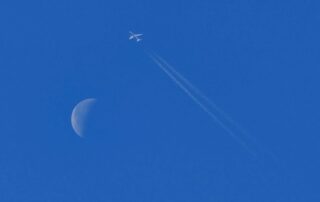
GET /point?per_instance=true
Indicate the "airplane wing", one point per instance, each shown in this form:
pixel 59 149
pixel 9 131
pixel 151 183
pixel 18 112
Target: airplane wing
pixel 131 37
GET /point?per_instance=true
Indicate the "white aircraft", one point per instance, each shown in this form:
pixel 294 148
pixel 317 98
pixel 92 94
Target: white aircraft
pixel 135 36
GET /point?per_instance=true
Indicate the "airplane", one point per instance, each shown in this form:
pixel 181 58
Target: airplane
pixel 135 36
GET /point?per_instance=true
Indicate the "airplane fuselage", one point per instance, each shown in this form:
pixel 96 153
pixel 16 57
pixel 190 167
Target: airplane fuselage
pixel 135 36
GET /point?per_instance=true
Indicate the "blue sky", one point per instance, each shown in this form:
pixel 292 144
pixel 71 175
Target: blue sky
pixel 147 140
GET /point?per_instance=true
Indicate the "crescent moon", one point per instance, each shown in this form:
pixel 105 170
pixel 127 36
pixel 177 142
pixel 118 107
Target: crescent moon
pixel 79 115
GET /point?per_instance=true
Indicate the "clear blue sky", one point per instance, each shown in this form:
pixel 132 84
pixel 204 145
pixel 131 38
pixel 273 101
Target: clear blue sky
pixel 147 141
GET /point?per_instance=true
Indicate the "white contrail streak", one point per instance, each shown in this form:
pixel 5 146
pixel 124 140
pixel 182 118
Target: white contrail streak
pixel 218 115
pixel 214 106
pixel 200 104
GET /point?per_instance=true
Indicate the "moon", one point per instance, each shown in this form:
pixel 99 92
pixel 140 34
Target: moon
pixel 79 116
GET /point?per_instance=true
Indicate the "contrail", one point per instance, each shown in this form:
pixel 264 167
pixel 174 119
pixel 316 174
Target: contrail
pixel 199 103
pixel 214 106
pixel 218 115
